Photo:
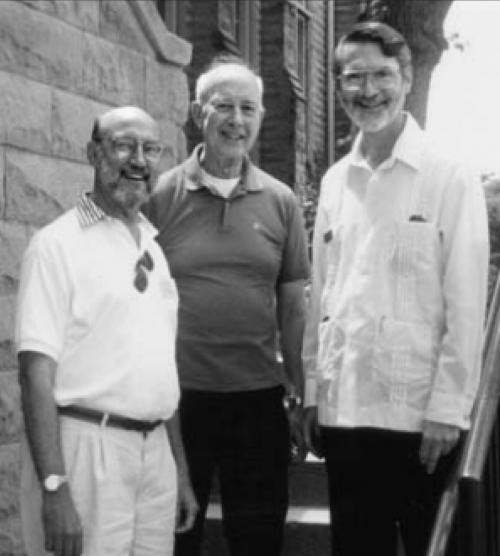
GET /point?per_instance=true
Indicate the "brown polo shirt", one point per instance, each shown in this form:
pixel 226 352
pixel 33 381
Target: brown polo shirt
pixel 227 257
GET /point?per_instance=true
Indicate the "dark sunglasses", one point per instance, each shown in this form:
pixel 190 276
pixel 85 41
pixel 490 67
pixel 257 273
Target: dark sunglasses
pixel 145 263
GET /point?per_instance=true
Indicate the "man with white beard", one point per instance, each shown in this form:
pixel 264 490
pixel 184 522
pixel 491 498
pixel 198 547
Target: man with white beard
pixel 393 342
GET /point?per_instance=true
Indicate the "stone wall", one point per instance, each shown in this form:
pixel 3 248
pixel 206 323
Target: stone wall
pixel 62 62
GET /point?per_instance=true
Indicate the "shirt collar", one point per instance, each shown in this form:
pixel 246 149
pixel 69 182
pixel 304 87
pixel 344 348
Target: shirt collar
pixel 88 214
pixel 409 146
pixel 249 180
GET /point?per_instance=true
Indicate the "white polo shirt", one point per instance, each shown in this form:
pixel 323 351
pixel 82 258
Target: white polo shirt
pixel 114 345
pixel 400 266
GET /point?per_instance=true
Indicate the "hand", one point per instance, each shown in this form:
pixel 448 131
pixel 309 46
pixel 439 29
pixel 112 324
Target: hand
pixel 297 445
pixel 187 507
pixel 312 435
pixel 61 523
pixel 438 439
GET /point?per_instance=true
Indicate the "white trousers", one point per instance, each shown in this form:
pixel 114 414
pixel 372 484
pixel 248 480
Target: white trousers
pixel 123 484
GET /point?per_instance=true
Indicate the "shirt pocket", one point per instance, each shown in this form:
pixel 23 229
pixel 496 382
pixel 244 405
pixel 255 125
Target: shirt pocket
pixel 416 248
pixel 404 361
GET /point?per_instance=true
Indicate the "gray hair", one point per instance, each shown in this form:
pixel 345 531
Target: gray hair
pixel 203 82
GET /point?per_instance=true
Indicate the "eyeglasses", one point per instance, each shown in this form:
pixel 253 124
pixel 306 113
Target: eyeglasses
pixel 145 263
pixel 126 147
pixel 356 80
pixel 247 109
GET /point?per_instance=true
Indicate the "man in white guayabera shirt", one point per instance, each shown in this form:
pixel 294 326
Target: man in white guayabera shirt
pixel 103 465
pixel 394 337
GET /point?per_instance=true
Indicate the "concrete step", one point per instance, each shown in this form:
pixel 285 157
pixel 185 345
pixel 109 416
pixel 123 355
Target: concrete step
pixel 306 533
pixel 307 484
pixel 296 515
pixel 307 525
pixel 308 518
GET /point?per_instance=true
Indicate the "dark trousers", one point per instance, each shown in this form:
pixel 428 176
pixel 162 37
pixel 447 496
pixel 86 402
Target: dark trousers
pixel 244 438
pixel 377 484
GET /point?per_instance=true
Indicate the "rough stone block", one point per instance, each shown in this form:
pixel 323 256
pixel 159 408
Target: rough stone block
pixel 112 74
pixel 169 134
pixel 10 527
pixel 14 239
pixel 119 25
pixel 167 92
pixel 72 120
pixel 8 312
pixel 80 13
pixel 40 47
pixel 2 175
pixel 39 188
pixel 11 421
pixel 8 358
pixel 25 113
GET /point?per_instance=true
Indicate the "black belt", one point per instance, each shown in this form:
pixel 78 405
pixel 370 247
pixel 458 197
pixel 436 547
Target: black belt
pixel 108 419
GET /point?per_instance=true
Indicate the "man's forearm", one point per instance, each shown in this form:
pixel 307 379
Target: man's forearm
pixel 291 317
pixel 176 445
pixel 40 413
pixel 291 345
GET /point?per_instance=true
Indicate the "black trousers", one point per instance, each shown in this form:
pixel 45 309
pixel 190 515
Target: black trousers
pixel 377 484
pixel 244 438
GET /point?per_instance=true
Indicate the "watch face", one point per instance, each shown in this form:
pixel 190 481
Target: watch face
pixel 291 401
pixel 53 482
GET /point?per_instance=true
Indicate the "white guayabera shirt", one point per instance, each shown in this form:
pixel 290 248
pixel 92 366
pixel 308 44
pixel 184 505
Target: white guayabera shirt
pixel 400 261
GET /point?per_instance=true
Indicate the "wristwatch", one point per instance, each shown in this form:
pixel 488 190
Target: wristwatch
pixel 51 483
pixel 291 400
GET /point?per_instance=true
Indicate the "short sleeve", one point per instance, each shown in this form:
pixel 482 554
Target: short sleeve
pixel 43 300
pixel 295 262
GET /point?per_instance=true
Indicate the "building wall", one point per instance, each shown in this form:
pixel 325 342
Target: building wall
pixel 320 74
pixel 62 62
pixel 277 137
pixel 294 145
pixel 201 23
pixel 346 13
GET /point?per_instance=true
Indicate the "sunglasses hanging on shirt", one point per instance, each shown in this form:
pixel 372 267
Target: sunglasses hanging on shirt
pixel 144 265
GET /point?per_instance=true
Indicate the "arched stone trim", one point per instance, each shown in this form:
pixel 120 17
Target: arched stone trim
pixel 167 46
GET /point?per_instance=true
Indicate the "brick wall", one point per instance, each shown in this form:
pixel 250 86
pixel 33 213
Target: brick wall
pixel 320 43
pixel 277 138
pixel 346 12
pixel 61 64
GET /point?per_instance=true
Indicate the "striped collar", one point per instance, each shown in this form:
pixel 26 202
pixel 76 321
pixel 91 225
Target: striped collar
pixel 88 212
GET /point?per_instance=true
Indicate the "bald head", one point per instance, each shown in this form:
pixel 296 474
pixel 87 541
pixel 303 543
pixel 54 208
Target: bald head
pixel 118 118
